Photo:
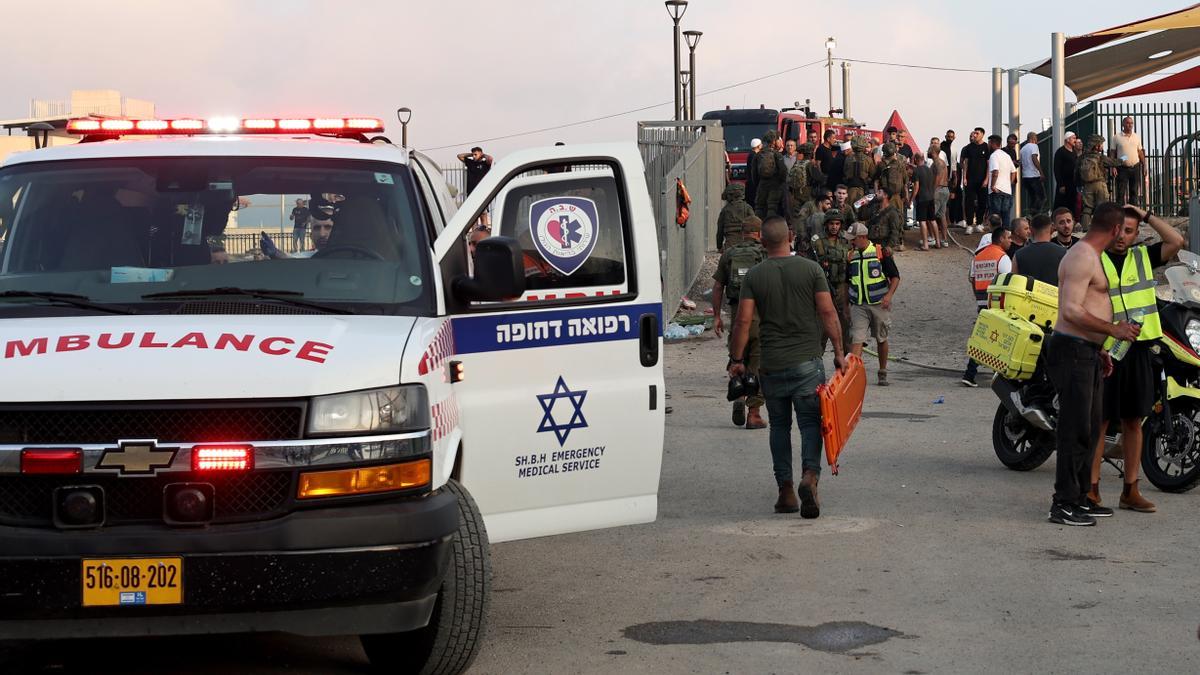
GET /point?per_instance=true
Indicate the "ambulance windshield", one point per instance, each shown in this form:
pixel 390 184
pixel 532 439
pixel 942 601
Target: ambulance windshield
pixel 151 234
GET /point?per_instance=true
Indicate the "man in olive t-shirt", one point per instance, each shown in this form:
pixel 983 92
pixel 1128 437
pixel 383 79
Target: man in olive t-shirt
pixel 792 299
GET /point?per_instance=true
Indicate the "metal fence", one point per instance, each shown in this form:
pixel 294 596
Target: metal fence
pixel 249 243
pixel 694 152
pixel 1170 133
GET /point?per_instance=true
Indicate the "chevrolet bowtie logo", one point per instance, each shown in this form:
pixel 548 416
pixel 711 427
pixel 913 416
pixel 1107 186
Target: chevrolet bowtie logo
pixel 137 457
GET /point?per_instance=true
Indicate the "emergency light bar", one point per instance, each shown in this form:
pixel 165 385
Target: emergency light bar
pixel 224 125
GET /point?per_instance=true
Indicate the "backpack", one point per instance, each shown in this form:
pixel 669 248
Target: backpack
pixel 768 163
pixel 896 175
pixel 856 167
pixel 742 257
pixel 799 183
pixel 1090 169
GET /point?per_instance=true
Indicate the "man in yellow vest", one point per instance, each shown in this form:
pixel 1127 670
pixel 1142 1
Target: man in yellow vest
pixel 873 278
pixel 990 261
pixel 1129 391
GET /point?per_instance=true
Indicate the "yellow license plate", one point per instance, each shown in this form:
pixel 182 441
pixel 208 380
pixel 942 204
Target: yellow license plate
pixel 132 581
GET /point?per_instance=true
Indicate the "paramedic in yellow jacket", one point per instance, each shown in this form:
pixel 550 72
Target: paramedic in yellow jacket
pixel 1129 390
pixel 873 278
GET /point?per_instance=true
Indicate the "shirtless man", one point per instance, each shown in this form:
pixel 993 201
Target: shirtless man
pixel 1077 364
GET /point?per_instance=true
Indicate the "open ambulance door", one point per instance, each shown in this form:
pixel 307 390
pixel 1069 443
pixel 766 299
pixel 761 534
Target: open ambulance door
pixel 561 405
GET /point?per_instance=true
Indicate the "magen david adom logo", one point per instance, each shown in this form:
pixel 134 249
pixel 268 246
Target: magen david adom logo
pixel 564 231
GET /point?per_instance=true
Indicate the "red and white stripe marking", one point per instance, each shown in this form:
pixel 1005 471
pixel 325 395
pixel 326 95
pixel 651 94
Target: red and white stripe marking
pixel 445 418
pixel 438 351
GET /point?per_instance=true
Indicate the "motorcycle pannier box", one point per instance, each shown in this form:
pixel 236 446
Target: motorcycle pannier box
pixel 1025 297
pixel 1007 344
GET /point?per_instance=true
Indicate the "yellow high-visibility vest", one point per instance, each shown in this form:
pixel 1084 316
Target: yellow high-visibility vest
pixel 1132 292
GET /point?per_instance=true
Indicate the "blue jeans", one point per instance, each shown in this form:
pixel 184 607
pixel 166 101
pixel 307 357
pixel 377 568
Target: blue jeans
pixel 1001 205
pixel 794 389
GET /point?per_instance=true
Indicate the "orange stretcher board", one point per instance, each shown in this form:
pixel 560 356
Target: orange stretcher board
pixel 841 407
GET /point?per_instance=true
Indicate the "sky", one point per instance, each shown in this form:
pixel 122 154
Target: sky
pixel 479 69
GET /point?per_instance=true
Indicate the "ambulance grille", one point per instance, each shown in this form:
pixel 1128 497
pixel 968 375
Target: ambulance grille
pixel 166 423
pixel 29 500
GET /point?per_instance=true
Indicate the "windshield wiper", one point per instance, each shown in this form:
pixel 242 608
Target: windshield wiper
pixel 286 297
pixel 70 299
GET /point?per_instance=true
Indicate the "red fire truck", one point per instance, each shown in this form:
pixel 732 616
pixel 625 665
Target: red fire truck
pixel 743 125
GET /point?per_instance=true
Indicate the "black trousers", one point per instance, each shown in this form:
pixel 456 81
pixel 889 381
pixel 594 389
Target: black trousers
pixel 1033 196
pixel 975 201
pixel 1074 367
pixel 1129 184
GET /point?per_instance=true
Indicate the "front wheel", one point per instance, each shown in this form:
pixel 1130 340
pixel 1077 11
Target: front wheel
pixel 1171 457
pixel 454 635
pixel 1018 445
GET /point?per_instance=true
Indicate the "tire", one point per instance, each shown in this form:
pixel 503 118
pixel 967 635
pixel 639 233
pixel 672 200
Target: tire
pixel 1171 457
pixel 1018 445
pixel 451 641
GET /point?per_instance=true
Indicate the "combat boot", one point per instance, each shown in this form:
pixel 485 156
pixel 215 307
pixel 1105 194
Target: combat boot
pixel 739 412
pixel 754 420
pixel 1133 500
pixel 787 498
pixel 810 503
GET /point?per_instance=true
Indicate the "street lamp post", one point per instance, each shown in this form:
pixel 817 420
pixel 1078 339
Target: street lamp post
pixel 676 9
pixel 693 39
pixel 404 115
pixel 685 81
pixel 830 43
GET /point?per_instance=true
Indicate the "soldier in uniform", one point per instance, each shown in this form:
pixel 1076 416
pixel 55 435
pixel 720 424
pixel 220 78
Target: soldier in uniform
pixel 892 172
pixel 858 168
pixel 735 212
pixel 1094 168
pixel 772 177
pixel 886 227
pixel 801 178
pixel 841 202
pixel 832 252
pixel 735 263
pixel 813 214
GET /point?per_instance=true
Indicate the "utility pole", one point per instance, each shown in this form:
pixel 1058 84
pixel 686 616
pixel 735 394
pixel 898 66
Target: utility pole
pixel 677 8
pixel 846 90
pixel 1058 78
pixel 997 102
pixel 830 43
pixel 693 39
pixel 685 80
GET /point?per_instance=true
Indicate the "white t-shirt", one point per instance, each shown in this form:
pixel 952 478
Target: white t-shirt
pixel 1000 161
pixel 1028 152
pixel 1127 148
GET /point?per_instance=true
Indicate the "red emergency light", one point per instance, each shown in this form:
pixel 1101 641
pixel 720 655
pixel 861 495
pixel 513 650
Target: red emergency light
pixel 222 458
pixel 223 125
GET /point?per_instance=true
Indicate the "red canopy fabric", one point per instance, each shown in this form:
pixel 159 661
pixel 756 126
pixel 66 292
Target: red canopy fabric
pixel 895 121
pixel 1188 79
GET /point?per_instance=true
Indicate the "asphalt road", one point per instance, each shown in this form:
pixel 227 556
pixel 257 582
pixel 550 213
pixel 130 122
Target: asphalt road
pixel 929 557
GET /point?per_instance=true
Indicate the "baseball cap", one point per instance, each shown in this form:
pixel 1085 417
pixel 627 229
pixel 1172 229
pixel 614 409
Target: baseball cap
pixel 755 143
pixel 855 230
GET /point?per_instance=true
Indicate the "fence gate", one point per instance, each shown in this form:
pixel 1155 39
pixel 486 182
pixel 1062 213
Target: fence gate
pixel 694 152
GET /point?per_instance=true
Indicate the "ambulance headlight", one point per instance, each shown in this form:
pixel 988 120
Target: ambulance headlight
pixel 374 411
pixel 1193 334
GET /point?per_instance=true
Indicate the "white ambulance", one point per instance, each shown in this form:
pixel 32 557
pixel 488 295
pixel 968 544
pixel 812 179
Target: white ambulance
pixel 262 375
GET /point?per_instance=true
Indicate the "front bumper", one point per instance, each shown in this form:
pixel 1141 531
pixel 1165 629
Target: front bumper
pixel 366 568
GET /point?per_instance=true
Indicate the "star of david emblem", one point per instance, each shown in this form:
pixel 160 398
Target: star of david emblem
pixel 550 422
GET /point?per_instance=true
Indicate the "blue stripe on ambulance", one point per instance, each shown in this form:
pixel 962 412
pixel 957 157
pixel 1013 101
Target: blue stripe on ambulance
pixel 529 329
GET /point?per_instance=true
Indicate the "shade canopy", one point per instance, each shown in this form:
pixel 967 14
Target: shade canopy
pixel 1188 79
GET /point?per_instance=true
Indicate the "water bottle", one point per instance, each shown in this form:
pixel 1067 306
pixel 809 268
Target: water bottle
pixel 1122 347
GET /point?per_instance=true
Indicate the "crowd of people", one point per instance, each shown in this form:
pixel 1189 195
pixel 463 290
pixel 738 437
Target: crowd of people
pixel 808 261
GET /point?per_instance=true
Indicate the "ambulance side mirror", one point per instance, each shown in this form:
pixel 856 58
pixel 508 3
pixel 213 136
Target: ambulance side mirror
pixel 499 272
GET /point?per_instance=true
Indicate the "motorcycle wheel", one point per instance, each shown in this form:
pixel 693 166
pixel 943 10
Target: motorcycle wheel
pixel 1019 446
pixel 1171 457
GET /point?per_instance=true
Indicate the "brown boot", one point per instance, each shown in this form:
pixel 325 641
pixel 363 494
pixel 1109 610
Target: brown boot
pixel 810 503
pixel 754 419
pixel 787 498
pixel 1133 500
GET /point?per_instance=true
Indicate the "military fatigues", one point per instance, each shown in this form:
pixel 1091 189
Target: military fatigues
pixel 772 183
pixel 832 253
pixel 735 212
pixel 892 172
pixel 735 262
pixel 801 178
pixel 886 229
pixel 858 169
pixel 1093 176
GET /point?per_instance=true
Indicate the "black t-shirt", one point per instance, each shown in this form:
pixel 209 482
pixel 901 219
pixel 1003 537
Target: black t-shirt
pixel 476 170
pixel 1156 260
pixel 1013 249
pixel 836 173
pixel 1012 154
pixel 1067 245
pixel 924 175
pixel 948 148
pixel 1040 260
pixel 905 150
pixel 300 216
pixel 976 157
pixel 823 156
